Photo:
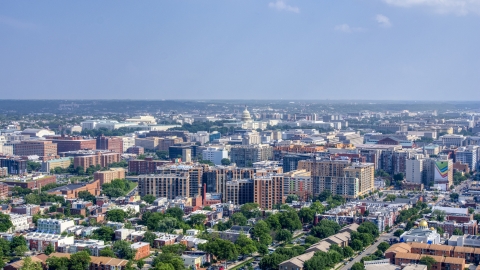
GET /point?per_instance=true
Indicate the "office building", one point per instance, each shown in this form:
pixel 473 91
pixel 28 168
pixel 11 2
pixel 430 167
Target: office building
pixel 44 149
pixel 67 144
pixel 468 155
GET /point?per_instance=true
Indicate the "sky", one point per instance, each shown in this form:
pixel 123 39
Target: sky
pixel 241 49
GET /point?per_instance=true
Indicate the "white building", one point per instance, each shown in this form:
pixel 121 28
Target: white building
pixel 422 234
pixel 468 155
pixel 20 222
pixel 415 169
pixel 128 141
pixel 142 119
pixel 452 139
pixel 53 226
pixel 215 155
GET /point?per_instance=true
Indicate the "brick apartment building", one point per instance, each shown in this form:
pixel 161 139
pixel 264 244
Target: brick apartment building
pixel 146 166
pixel 44 149
pixel 65 144
pixel 107 176
pixel 469 227
pixel 268 190
pixel 71 191
pixel 3 190
pixel 113 144
pixel 102 158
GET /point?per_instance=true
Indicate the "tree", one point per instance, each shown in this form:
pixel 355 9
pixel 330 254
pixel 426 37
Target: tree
pixel 347 252
pixel 239 219
pixel 107 252
pixel 284 235
pixel 440 230
pixel 390 198
pixel 263 250
pixel 306 215
pixel 245 245
pixel 457 231
pixel 149 237
pixel 225 161
pixel 221 249
pixel 197 219
pixel 129 266
pixel 289 220
pixel 168 261
pixel 428 261
pixel 310 240
pixel 471 210
pixel 20 250
pixel 398 232
pixel 356 244
pixel 291 198
pixel 398 177
pixel 149 198
pixel 439 215
pixel 250 210
pixel 116 215
pixel 49 249
pixel 79 261
pixel 123 250
pixel 177 249
pixel 5 222
pixel 140 264
pixel 104 233
pixel 175 212
pixel 28 264
pixel 383 246
pixel 454 197
pixel 55 263
pixel 357 266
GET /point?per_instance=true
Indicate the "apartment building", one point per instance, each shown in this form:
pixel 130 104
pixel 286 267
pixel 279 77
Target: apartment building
pixel 14 165
pixel 53 226
pixel 94 158
pixel 106 177
pixel 246 155
pixel 145 166
pixel 298 182
pixel 113 144
pixel 40 241
pixel 216 178
pixel 168 185
pixel 66 144
pixel 268 190
pixel 240 191
pixel 51 164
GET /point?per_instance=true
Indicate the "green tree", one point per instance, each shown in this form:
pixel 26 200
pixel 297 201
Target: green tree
pixel 5 222
pixel 390 198
pixel 239 219
pixel 55 263
pixel 454 197
pixel 175 212
pixel 104 233
pixel 197 219
pixel 310 240
pixel 140 264
pixel 49 249
pixel 284 235
pixel 290 221
pixel 291 198
pixel 348 252
pixel 166 261
pixel 107 252
pixel 86 196
pixel 149 237
pixel 177 249
pixel 428 261
pixel 357 266
pixel 356 244
pixel 116 215
pixel 79 261
pixel 306 215
pixel 225 161
pixel 383 246
pixel 28 264
pixel 149 198
pixel 457 231
pixel 221 249
pixel 123 250
pixel 245 245
pixel 439 215
pixel 20 250
pixel 250 210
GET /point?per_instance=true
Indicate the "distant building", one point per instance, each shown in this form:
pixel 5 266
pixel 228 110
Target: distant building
pixel 421 234
pixel 44 149
pixel 114 144
pixel 240 191
pixel 66 144
pixel 53 226
pixel 268 190
pixel 215 155
pixel 106 177
pixel 51 164
pixel 246 155
pixel 14 165
pixel 39 241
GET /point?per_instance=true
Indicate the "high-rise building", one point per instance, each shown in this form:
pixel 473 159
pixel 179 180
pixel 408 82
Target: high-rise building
pixel 194 172
pixel 239 191
pixel 340 177
pixel 246 155
pixel 290 162
pixel 167 184
pixel 416 171
pixel 268 190
pixel 216 178
pixel 215 155
pixel 298 182
pixel 13 165
pixel 467 155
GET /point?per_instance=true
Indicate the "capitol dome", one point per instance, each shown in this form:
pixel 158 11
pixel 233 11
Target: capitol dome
pixel 246 115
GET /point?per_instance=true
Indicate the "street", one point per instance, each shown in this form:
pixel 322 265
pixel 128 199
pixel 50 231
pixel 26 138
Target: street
pixel 371 249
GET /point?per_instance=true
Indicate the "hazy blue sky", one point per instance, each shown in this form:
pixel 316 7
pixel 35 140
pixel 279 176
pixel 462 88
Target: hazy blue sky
pixel 269 49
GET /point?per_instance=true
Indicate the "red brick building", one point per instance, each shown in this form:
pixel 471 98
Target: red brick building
pixel 146 166
pixel 33 183
pixel 99 158
pixel 65 144
pixel 44 149
pixel 141 249
pixel 113 144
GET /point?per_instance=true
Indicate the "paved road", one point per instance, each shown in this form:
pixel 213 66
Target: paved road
pixel 371 249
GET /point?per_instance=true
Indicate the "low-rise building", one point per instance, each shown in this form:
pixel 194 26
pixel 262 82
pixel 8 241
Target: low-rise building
pixel 20 222
pixel 37 241
pixel 53 226
pixel 141 249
